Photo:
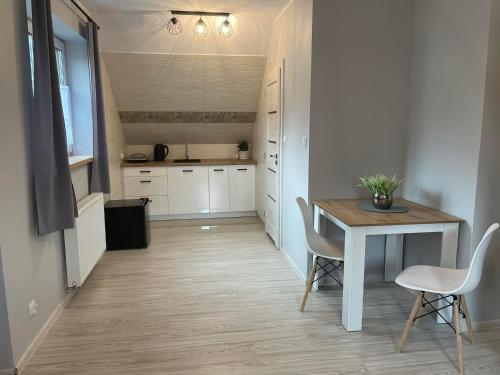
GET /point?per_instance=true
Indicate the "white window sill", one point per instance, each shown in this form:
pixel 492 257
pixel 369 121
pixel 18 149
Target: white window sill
pixel 79 161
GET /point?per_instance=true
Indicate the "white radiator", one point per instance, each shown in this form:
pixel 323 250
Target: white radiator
pixel 86 242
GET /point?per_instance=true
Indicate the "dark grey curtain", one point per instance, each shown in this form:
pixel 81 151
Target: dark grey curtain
pixel 55 203
pixel 99 180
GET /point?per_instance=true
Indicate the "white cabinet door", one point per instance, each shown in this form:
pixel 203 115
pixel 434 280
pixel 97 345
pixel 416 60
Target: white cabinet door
pixel 188 190
pixel 158 205
pixel 218 179
pixel 144 186
pixel 242 188
pixel 144 171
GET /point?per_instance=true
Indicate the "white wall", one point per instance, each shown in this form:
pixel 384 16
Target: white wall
pixel 487 211
pixel 290 41
pixel 358 97
pixel 6 360
pixel 33 267
pixel 445 108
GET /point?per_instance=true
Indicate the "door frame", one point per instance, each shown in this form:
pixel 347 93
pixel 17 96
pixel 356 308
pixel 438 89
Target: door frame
pixel 278 74
pixel 281 69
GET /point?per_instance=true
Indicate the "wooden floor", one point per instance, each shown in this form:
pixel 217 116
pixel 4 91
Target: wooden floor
pixel 223 301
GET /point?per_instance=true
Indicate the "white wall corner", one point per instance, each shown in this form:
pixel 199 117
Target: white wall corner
pixel 302 277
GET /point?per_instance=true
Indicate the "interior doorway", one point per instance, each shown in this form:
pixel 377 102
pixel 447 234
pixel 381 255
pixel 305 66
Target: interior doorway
pixel 274 105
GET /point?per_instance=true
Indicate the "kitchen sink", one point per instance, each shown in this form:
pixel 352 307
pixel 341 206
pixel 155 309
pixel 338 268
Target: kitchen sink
pixel 187 160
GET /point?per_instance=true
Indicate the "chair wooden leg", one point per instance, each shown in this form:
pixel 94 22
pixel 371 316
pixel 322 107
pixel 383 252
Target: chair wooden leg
pixel 458 332
pixel 472 338
pixel 414 311
pixel 309 283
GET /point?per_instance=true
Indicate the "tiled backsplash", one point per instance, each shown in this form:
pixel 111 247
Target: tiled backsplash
pixel 196 151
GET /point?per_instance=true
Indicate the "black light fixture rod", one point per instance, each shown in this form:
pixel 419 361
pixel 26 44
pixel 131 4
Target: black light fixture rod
pixel 195 13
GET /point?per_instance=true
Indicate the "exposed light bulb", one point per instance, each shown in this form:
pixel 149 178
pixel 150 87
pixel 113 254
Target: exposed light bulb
pixel 225 29
pixel 200 28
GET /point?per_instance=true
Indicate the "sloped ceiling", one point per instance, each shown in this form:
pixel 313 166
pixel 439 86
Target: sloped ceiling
pixel 185 98
pixel 162 82
pixel 211 85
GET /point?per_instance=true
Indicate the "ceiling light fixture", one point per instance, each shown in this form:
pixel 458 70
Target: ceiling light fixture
pixel 174 26
pixel 201 28
pixel 225 30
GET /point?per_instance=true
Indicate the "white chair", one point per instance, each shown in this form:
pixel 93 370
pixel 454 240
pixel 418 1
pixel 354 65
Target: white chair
pixel 447 283
pixel 321 248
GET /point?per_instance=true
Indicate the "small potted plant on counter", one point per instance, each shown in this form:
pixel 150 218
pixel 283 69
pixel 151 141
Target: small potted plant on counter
pixel 382 189
pixel 243 149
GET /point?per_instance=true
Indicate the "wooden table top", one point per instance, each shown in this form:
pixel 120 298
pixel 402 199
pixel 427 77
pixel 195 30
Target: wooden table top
pixel 170 163
pixel 346 210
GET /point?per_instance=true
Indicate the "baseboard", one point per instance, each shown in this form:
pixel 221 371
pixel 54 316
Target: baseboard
pixel 202 216
pixel 486 324
pixel 292 264
pixel 7 371
pixel 42 333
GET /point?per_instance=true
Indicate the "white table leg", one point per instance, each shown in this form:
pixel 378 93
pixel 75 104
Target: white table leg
pixel 354 276
pixel 320 228
pixel 317 219
pixel 449 248
pixel 393 256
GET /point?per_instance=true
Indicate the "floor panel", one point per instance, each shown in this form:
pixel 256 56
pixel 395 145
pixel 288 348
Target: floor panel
pixel 221 300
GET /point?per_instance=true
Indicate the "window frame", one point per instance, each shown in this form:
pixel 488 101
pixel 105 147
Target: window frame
pixel 58 44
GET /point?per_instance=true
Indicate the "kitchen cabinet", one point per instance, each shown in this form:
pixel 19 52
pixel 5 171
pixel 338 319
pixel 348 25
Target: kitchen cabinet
pixel 158 204
pixel 241 188
pixel 193 189
pixel 144 186
pixel 188 190
pixel 148 183
pixel 218 181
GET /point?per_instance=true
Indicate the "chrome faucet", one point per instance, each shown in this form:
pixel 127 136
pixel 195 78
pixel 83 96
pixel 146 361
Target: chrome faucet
pixel 186 152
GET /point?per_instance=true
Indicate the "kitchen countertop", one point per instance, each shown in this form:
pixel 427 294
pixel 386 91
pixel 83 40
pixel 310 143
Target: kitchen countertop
pixel 206 162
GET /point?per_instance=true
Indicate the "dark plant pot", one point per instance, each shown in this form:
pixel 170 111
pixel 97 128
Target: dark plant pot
pixel 382 202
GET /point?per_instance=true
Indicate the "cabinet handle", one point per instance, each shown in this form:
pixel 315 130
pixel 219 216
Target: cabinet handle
pixel 218 170
pixel 187 170
pixel 145 181
pixel 242 169
pixel 144 171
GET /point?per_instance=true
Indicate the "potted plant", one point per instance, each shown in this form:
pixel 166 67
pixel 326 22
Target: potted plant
pixel 382 189
pixel 243 149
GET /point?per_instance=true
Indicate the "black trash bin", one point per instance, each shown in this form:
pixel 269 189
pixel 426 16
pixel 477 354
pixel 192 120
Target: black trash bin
pixel 127 226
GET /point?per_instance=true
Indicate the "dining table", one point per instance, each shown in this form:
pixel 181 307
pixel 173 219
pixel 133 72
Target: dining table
pixel 359 223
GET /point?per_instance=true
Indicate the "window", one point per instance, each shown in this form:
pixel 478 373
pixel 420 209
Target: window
pixel 63 84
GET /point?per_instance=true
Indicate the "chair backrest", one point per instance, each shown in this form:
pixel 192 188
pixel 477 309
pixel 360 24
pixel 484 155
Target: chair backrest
pixel 308 221
pixel 476 266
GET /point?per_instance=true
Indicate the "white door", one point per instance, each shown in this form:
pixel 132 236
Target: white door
pixel 188 190
pixel 273 156
pixel 242 188
pixel 218 180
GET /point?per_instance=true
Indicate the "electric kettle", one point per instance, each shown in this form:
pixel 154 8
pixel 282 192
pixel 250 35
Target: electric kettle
pixel 160 152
